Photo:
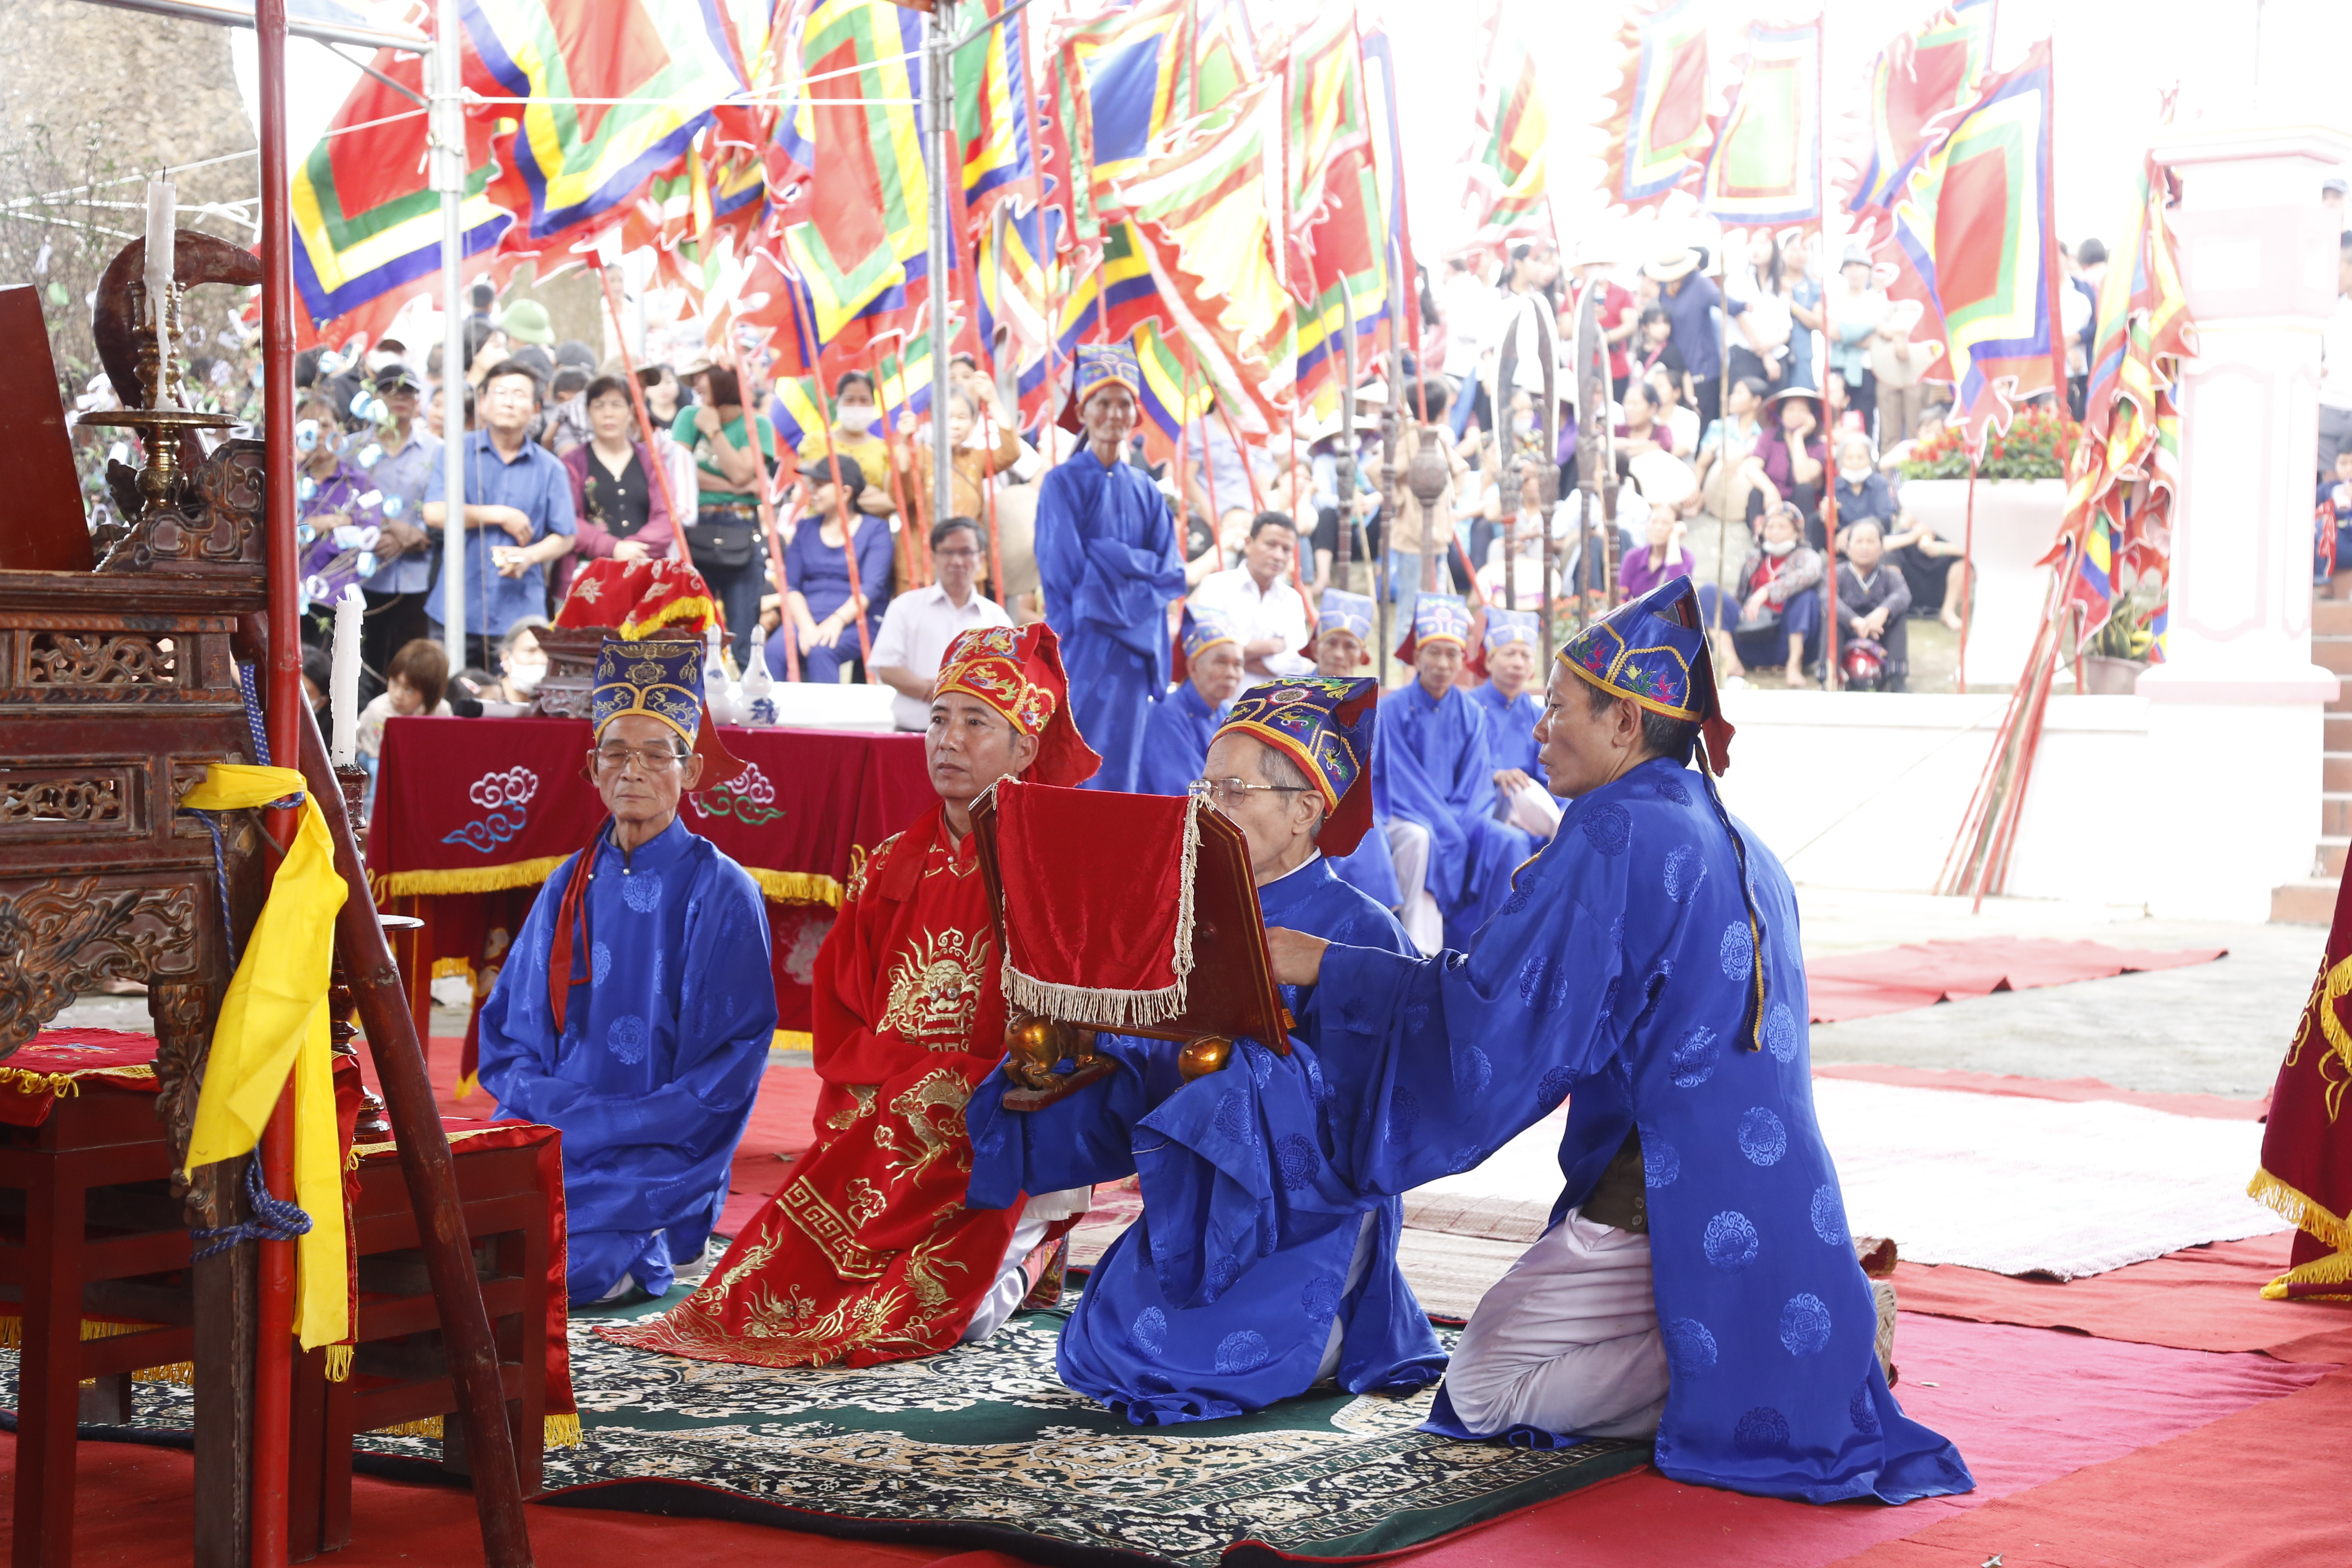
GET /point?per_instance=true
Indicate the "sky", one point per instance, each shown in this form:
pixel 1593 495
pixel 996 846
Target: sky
pixel 2112 62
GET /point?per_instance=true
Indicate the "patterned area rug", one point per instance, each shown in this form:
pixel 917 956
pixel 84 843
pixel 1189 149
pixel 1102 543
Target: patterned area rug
pixel 983 1448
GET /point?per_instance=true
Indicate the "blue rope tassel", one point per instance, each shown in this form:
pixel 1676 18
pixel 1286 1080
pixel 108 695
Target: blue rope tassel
pixel 272 1220
pixel 244 679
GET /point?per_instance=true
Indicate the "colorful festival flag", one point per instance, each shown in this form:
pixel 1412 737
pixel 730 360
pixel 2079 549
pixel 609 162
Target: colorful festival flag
pixel 1126 70
pixel 1349 268
pixel 1918 83
pixel 1766 166
pixel 1974 242
pixel 2124 470
pixel 1660 131
pixel 1506 168
pixel 992 113
pixel 1323 114
pixel 366 222
pixel 668 65
pixel 1203 207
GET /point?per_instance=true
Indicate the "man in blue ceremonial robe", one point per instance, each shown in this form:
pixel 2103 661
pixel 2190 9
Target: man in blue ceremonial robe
pixel 1341 649
pixel 1176 737
pixel 1512 705
pixel 1195 1313
pixel 1437 775
pixel 1107 560
pixel 636 1007
pixel 1698 1280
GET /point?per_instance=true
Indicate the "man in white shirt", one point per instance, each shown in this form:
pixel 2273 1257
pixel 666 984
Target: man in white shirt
pixel 921 622
pixel 1257 601
pixel 2336 367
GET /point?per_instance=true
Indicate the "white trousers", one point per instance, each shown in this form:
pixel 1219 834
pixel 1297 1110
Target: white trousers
pixel 1531 808
pixel 1568 1340
pixel 1419 914
pixel 1012 1287
pixel 1360 1265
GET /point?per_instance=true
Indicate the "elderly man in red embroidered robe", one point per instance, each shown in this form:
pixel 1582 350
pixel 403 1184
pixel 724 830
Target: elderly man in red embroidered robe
pixel 868 1253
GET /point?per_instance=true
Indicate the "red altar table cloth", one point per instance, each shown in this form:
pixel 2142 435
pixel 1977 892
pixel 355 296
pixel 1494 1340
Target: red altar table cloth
pixel 472 815
pixel 65 1061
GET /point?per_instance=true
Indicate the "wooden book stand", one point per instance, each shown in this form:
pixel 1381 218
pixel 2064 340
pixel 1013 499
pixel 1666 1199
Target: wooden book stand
pixel 1232 992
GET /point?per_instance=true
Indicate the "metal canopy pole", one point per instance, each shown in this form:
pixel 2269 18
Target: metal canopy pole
pixel 448 142
pixel 939 92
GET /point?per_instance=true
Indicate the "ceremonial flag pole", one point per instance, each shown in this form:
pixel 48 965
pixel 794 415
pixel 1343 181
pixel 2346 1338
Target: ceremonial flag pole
pixel 644 418
pixel 449 178
pixel 1821 375
pixel 939 141
pixel 763 506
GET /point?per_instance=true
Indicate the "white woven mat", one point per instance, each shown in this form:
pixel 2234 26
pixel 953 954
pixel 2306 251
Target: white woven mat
pixel 2013 1185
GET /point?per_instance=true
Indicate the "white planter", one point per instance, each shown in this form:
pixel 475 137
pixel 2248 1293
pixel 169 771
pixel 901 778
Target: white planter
pixel 2016 523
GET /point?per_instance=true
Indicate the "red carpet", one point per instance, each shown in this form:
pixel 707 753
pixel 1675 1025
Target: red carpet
pixel 2259 1488
pixel 2207 1298
pixel 2221 1107
pixel 2025 1406
pixel 1919 975
pixel 135 1507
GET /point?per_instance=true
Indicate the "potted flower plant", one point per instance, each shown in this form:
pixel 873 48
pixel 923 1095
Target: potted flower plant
pixel 2021 496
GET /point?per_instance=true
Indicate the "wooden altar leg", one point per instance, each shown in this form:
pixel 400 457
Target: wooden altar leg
pixel 49 1389
pixel 305 1484
pixel 227 1312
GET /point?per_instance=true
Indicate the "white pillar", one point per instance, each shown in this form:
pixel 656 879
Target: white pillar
pixel 2234 712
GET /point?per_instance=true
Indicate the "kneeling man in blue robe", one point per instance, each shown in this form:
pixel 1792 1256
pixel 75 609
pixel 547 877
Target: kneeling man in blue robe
pixel 636 1010
pixel 1698 1282
pixel 1255 1274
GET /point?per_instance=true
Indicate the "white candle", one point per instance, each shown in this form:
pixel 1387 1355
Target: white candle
pixel 163 228
pixel 346 677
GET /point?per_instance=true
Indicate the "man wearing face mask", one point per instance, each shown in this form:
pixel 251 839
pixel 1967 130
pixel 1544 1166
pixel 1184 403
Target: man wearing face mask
pixel 1108 561
pixel 523 663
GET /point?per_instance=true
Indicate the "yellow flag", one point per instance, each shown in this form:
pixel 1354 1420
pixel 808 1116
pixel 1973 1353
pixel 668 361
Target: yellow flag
pixel 274 1021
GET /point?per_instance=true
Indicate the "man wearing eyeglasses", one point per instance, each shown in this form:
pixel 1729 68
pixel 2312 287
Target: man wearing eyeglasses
pixel 636 1009
pixel 1185 1319
pixel 921 622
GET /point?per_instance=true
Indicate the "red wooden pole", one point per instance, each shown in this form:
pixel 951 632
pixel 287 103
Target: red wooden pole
pixel 908 521
pixel 646 425
pixel 841 502
pixel 761 506
pixel 273 1384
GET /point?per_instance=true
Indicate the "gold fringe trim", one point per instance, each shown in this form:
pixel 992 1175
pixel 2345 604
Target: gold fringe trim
pixel 25 1081
pixel 783 887
pixel 444 967
pixel 555 1431
pixel 677 610
pixel 2306 1213
pixel 1121 1010
pixel 12 1337
pixel 339 1364
pixel 464 879
pixel 2315 1219
pixel 797 887
pixel 793 1040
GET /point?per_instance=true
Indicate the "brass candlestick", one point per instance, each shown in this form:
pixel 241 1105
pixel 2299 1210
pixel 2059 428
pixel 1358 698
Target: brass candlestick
pixel 159 429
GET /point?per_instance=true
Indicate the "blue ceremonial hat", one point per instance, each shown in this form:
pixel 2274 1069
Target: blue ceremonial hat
pixel 1342 611
pixel 1654 650
pixel 1506 627
pixel 1436 617
pixel 1098 365
pixel 1324 723
pixel 660 679
pixel 1201 631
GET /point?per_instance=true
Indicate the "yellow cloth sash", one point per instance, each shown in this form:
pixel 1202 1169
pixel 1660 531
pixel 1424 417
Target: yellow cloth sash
pixel 274 1021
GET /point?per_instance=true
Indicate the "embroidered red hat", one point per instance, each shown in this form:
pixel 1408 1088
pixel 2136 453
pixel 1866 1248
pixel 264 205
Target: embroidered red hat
pixel 1017 670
